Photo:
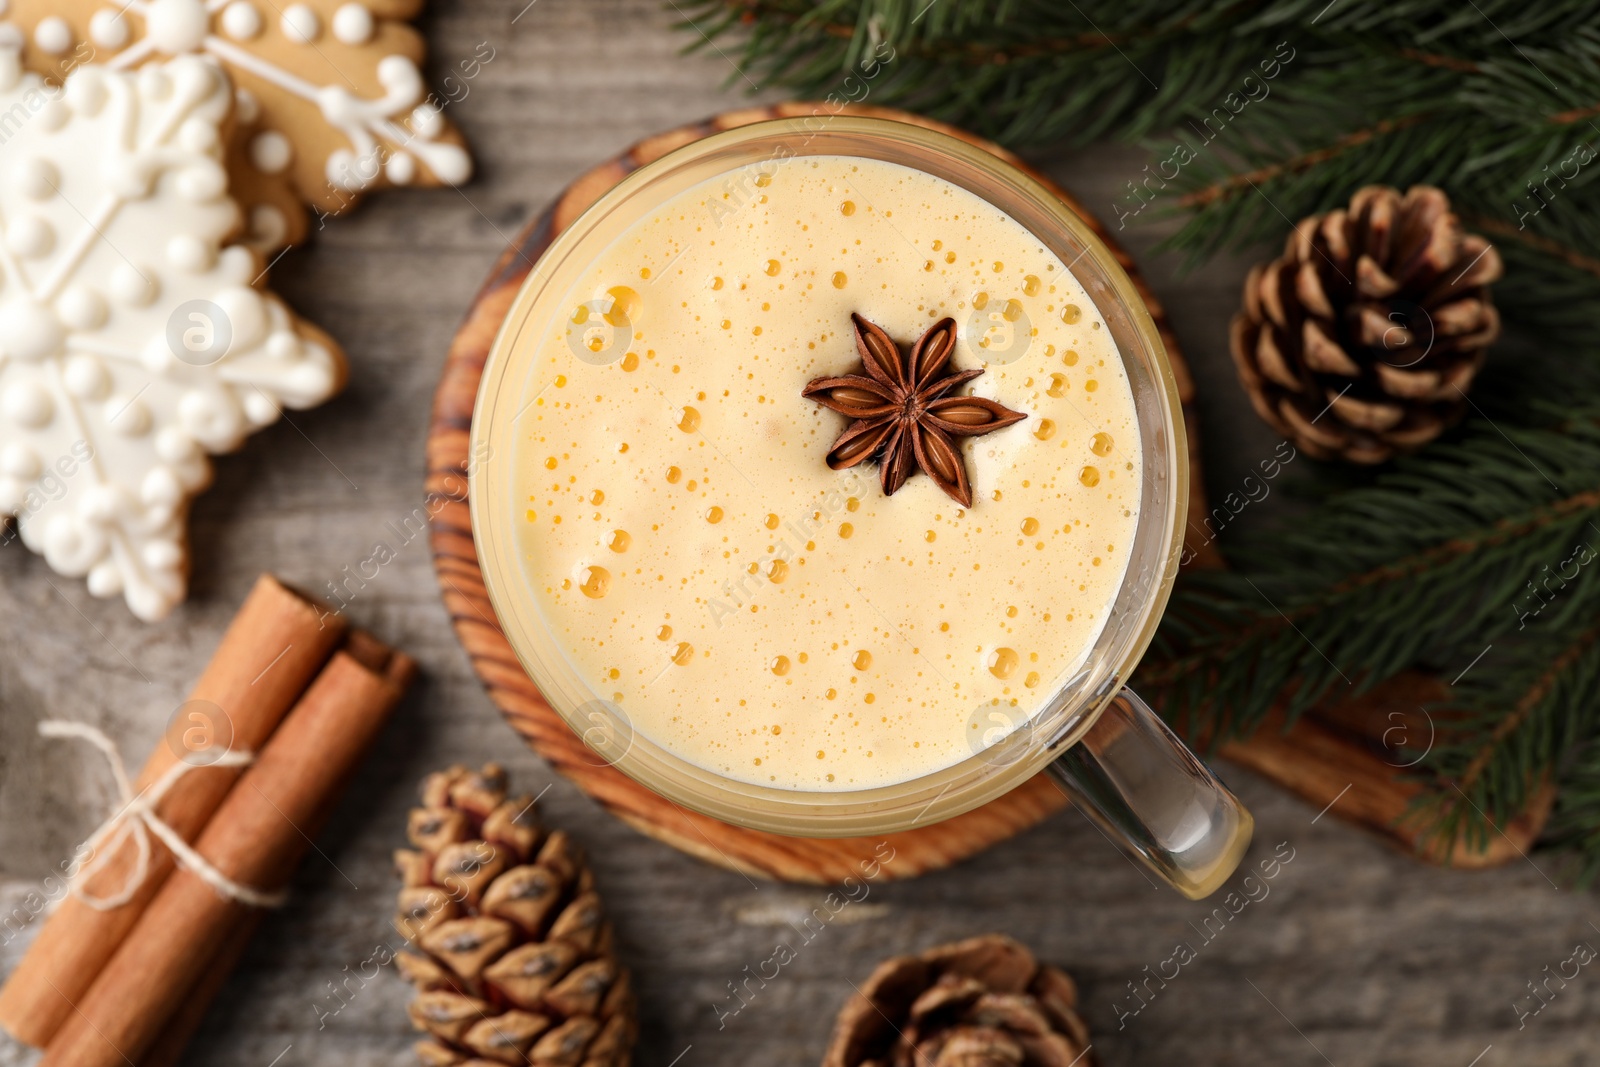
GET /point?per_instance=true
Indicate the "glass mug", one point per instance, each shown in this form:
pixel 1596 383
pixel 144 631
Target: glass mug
pixel 1117 759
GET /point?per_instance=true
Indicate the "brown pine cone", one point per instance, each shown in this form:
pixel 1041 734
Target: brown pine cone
pixel 515 963
pixel 983 1002
pixel 1362 339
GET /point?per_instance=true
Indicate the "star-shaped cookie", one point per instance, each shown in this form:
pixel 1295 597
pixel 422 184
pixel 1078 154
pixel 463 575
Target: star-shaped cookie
pixel 332 103
pixel 132 340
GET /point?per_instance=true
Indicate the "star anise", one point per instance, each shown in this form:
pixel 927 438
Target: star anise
pixel 904 417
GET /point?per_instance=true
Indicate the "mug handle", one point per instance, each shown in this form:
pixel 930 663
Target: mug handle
pixel 1132 775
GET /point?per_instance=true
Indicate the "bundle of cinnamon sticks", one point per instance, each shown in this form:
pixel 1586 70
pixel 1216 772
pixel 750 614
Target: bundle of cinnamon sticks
pixel 127 986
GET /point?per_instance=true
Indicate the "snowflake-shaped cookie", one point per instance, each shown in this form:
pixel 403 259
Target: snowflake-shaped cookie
pixel 331 101
pixel 131 341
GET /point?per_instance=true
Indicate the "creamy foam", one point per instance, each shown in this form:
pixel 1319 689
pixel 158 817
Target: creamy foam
pixel 754 612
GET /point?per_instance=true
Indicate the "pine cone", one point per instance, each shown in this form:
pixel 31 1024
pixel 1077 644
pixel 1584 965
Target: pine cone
pixel 1362 339
pixel 516 963
pixel 983 1002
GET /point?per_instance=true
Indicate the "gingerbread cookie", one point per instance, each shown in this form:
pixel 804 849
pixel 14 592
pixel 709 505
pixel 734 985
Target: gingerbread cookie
pixel 132 342
pixel 331 99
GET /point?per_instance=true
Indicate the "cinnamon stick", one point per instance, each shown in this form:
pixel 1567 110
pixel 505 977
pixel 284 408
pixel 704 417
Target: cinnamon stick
pixel 180 1029
pixel 271 651
pixel 255 838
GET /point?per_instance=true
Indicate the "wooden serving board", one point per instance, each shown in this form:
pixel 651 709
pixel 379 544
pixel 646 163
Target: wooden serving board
pixel 1338 760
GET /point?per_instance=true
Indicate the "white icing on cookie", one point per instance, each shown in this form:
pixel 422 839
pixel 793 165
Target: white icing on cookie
pixel 35 178
pixel 241 21
pixel 353 24
pixel 30 237
pixel 20 461
pixel 402 170
pixel 271 152
pixel 191 254
pixel 28 331
pixel 108 29
pixel 131 343
pixel 132 285
pixel 301 24
pixel 393 136
pixel 358 167
pixel 246 108
pixel 269 227
pixel 427 120
pixel 197 136
pixel 53 36
pixel 81 308
pixel 86 377
pixel 27 404
pixel 128 416
pixel 176 26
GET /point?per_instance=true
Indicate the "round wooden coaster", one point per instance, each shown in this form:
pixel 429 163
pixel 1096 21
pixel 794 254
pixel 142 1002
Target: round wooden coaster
pixel 791 859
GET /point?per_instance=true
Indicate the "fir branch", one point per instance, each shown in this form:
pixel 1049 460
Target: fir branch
pixel 1535 699
pixel 1550 247
pixel 1510 733
pixel 1574 826
pixel 1428 561
pixel 1434 59
pixel 804 17
pixel 1025 72
pixel 1236 184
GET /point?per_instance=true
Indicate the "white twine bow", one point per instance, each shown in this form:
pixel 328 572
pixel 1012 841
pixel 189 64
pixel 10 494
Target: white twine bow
pixel 136 818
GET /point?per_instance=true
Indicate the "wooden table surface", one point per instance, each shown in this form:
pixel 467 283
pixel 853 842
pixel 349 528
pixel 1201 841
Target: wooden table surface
pixel 1354 956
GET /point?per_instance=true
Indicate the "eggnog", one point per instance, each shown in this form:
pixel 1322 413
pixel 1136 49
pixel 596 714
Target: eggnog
pixel 747 607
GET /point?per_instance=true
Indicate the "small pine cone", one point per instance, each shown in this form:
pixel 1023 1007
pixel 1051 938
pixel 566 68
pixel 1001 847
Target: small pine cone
pixel 983 1002
pixel 1361 340
pixel 514 960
